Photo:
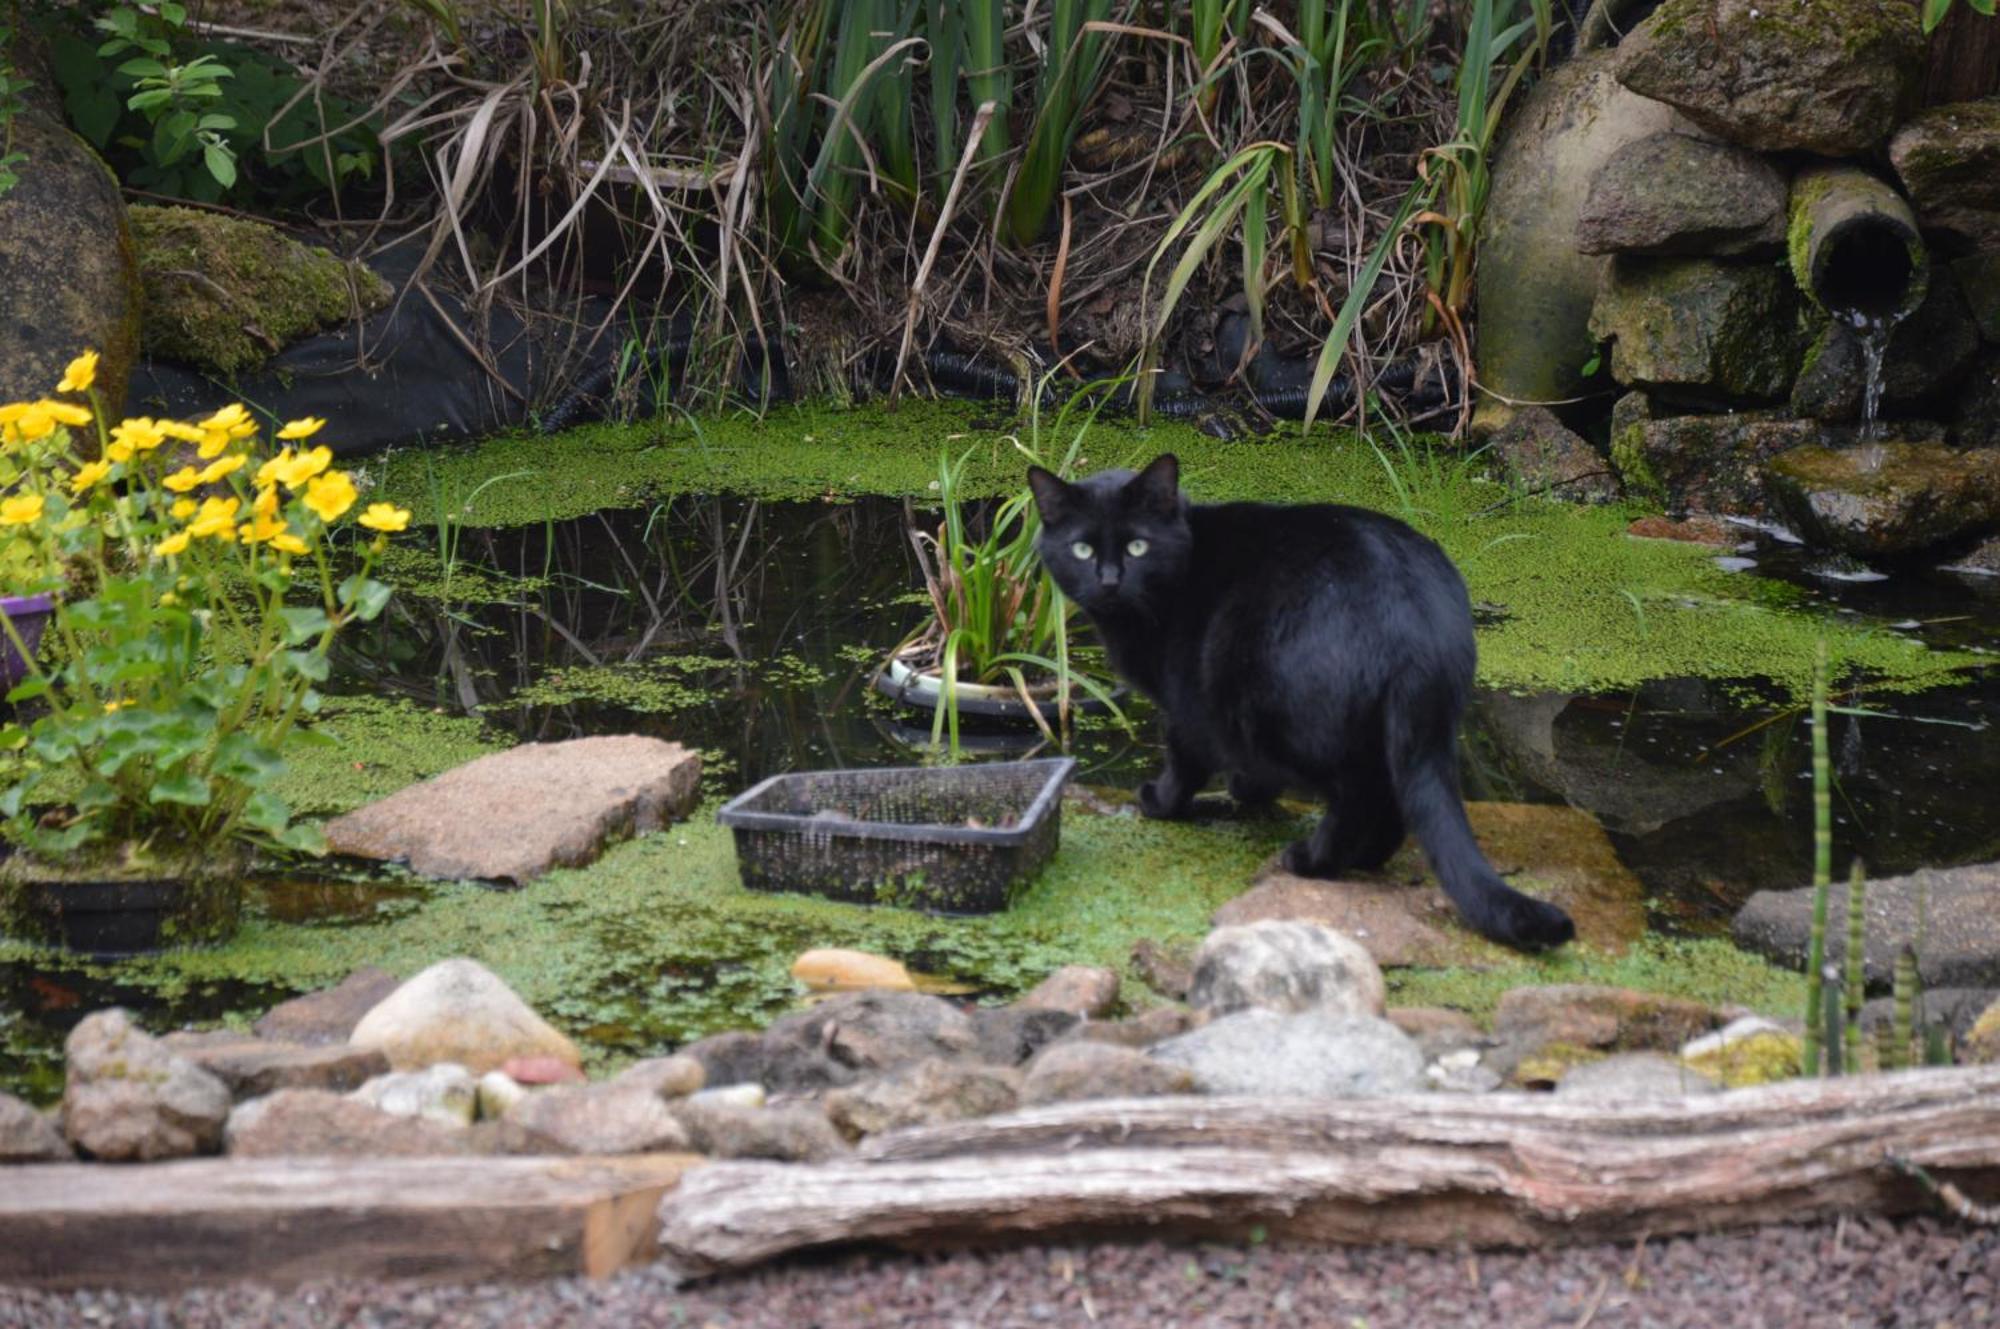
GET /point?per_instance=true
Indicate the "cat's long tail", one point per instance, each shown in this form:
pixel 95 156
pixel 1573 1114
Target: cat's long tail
pixel 1427 789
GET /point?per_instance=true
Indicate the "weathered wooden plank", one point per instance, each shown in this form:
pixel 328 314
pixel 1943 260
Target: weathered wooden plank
pixel 1430 1170
pixel 284 1220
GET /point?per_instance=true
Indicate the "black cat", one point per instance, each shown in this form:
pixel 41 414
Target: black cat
pixel 1293 646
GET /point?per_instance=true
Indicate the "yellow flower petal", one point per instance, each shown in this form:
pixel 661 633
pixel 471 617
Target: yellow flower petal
pixel 267 501
pixel 184 508
pixel 66 413
pixel 35 422
pixel 222 466
pixel 306 428
pixel 305 466
pixel 119 451
pixel 87 475
pixel 186 433
pixel 385 517
pixel 217 518
pixel 184 479
pixel 172 545
pixel 212 442
pixel 228 417
pixel 20 509
pixel 331 494
pixel 82 372
pixel 273 471
pixel 288 543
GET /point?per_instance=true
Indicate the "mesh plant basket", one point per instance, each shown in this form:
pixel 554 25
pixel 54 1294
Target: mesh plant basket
pixel 955 840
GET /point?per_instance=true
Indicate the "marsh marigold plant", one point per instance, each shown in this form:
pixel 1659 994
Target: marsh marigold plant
pixel 197 601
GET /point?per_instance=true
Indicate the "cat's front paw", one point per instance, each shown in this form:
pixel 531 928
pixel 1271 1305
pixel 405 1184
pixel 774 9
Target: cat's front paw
pixel 1528 924
pixel 1155 802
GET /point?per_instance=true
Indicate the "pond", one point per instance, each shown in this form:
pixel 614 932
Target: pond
pixel 750 629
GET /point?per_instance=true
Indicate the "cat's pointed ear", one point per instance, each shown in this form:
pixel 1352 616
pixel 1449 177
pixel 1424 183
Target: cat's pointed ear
pixel 1051 494
pixel 1158 487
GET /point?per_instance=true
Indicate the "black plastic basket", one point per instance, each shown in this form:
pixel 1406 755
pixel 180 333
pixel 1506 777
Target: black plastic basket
pixel 953 839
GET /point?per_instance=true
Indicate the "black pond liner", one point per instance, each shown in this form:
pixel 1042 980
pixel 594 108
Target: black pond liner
pixel 953 839
pixel 118 919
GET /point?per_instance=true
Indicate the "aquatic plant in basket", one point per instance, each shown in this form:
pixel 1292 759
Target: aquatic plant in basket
pixel 998 636
pixel 187 645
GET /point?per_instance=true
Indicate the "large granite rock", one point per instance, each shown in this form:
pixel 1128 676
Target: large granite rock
pixel 1701 463
pixel 1543 454
pixel 791 1134
pixel 1703 330
pixel 1884 499
pixel 929 1092
pixel 1830 77
pixel 29 1136
pixel 329 1015
pixel 1633 1076
pixel 253 1067
pixel 878 1031
pixel 1961 944
pixel 130 1098
pixel 1676 194
pixel 1949 160
pixel 1286 966
pixel 458 1011
pixel 72 278
pixel 1087 990
pixel 513 815
pixel 1085 1068
pixel 593 1119
pixel 315 1123
pixel 1316 1053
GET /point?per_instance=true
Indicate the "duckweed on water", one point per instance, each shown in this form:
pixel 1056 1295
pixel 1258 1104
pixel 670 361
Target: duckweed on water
pixel 1584 606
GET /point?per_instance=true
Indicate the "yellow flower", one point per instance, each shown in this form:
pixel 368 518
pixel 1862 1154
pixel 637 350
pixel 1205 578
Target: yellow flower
pixel 212 442
pixel 287 543
pixel 138 434
pixel 297 470
pixel 263 526
pixel 331 494
pixel 297 429
pixel 172 545
pixel 20 509
pixel 184 508
pixel 34 422
pixel 186 433
pixel 266 503
pixel 220 467
pixel 168 599
pixel 273 470
pixel 186 478
pixel 228 418
pixel 82 372
pixel 385 517
pixel 66 413
pixel 217 518
pixel 87 475
pixel 119 705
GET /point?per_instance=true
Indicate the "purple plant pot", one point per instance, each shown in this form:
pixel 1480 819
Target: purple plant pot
pixel 29 615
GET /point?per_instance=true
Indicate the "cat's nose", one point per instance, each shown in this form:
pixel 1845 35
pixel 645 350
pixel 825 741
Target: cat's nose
pixel 1107 577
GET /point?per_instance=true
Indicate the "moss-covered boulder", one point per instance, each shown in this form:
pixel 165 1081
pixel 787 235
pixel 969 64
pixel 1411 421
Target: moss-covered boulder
pixel 1948 158
pixel 71 281
pixel 1701 463
pixel 226 295
pixel 1979 278
pixel 1883 499
pixel 1975 419
pixel 1926 358
pixel 1676 194
pixel 1702 330
pixel 1825 76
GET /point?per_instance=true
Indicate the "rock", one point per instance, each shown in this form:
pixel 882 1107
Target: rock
pixel 1706 463
pixel 1961 946
pixel 931 1091
pixel 1143 1030
pixel 1823 76
pixel 1601 1018
pixel 832 969
pixel 1080 989
pixel 731 1095
pixel 787 1134
pixel 1883 499
pixel 1707 331
pixel 1010 1035
pixel 1978 277
pixel 1633 1075
pixel 880 1031
pixel 28 1136
pixel 253 1067
pixel 1954 1010
pixel 1543 454
pixel 1981 560
pixel 459 1011
pixel 542 1070
pixel 1948 158
pixel 1976 423
pixel 1087 1069
pixel 1285 966
pixel 130 1098
pixel 1748 1051
pixel 1168 970
pixel 592 1119
pixel 225 294
pixel 1927 354
pixel 1315 1053
pixel 1688 530
pixel 562 804
pixel 1401 916
pixel 329 1015
pixel 783 1064
pixel 445 1093
pixel 307 1123
pixel 1676 194
pixel 72 274
pixel 1462 1072
pixel 1981 1044
pixel 668 1077
pixel 1543 1067
pixel 1437 1030
pixel 497 1093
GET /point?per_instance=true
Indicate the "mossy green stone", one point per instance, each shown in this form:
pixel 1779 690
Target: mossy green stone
pixel 1706 328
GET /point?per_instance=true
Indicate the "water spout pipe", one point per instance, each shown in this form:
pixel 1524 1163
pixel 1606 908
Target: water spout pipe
pixel 1855 248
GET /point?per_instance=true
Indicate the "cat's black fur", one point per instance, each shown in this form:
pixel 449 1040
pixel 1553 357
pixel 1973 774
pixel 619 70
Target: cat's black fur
pixel 1293 647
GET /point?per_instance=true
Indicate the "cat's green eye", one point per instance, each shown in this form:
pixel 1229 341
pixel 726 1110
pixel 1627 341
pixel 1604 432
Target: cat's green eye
pixel 1081 550
pixel 1136 549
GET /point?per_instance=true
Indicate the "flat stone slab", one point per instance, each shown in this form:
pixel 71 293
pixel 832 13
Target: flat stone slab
pixel 253 1067
pixel 1961 942
pixel 284 1221
pixel 514 815
pixel 1402 917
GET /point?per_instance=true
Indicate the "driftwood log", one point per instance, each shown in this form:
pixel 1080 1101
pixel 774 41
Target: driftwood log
pixel 1429 1170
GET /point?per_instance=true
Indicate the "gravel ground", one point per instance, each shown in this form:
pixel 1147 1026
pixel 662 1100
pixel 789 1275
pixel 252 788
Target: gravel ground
pixel 1826 1276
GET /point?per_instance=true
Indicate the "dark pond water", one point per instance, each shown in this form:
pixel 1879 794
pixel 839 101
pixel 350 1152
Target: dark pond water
pixel 751 630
